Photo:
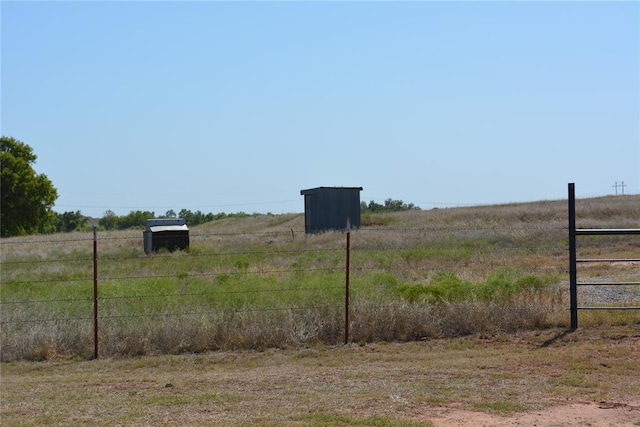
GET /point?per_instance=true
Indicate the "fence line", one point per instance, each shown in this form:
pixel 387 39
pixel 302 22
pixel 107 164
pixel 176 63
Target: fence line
pixel 138 257
pixel 323 264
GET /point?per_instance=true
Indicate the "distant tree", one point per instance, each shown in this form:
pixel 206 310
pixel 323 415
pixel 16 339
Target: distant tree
pixel 187 215
pixel 70 221
pixel 197 217
pixel 398 205
pixel 26 198
pixel 170 214
pixel 135 219
pixel 109 220
pixel 390 205
pixel 374 207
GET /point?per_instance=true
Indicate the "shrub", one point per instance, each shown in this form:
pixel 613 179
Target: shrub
pixel 447 287
pixel 443 287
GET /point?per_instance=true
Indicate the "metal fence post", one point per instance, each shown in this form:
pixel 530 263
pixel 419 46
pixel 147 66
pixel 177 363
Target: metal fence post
pixel 346 295
pixel 573 270
pixel 95 292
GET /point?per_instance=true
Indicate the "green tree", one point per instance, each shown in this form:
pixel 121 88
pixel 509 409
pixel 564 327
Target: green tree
pixel 135 219
pixel 390 205
pixel 27 198
pixel 70 221
pixel 109 220
pixel 187 215
pixel 398 205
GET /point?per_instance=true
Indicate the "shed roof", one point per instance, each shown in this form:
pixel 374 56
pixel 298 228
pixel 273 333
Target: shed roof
pixel 165 221
pixel 158 228
pixel 315 190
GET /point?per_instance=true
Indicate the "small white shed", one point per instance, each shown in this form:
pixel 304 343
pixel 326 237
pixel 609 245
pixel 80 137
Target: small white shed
pixel 168 233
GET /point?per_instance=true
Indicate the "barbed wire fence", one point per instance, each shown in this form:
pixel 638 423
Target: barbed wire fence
pixel 229 288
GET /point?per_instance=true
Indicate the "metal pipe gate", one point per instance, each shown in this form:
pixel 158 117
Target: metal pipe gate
pixel 573 260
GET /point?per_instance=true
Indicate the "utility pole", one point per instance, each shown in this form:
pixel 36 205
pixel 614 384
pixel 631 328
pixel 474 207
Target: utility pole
pixel 621 186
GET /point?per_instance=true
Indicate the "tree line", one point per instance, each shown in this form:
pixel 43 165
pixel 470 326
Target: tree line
pixel 76 221
pixel 138 219
pixel 389 205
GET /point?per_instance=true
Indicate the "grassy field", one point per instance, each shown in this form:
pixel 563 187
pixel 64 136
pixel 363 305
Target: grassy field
pixel 258 282
pixel 451 309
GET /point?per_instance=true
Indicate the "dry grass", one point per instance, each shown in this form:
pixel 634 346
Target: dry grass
pixel 382 384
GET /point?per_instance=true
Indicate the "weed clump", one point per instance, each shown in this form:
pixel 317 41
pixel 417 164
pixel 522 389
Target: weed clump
pixel 502 286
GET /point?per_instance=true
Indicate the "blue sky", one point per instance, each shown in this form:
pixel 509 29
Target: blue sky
pixel 237 106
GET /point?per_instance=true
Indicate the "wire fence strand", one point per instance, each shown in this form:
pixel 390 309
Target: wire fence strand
pixel 48 281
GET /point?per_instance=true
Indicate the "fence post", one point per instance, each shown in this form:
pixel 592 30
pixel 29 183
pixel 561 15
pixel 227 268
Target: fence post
pixel 95 292
pixel 573 270
pixel 346 294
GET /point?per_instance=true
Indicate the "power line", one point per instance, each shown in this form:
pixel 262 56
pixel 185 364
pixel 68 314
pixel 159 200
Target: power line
pixel 620 185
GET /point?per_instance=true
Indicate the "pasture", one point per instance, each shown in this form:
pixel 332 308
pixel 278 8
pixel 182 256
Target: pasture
pixel 450 309
pixel 258 282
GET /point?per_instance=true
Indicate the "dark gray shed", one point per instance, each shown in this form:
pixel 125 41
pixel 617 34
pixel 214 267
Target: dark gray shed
pixel 167 233
pixel 328 208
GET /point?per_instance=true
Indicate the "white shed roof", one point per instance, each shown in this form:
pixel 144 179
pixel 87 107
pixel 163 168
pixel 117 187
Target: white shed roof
pixel 158 228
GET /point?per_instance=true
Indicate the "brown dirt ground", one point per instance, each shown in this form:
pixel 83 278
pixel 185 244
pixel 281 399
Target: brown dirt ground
pixel 571 414
pixel 538 378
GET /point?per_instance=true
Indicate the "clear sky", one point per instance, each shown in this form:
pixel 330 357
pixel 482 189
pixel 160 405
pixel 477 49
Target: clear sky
pixel 237 106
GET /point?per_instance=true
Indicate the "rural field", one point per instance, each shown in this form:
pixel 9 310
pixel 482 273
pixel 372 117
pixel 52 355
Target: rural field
pixel 455 317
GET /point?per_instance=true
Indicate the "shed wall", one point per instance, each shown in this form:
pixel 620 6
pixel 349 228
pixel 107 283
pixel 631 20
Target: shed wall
pixel 328 208
pixel 170 240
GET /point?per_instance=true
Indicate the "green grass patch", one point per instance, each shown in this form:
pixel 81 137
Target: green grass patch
pixel 500 286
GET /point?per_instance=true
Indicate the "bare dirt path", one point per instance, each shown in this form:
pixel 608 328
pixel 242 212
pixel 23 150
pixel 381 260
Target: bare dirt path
pixel 573 414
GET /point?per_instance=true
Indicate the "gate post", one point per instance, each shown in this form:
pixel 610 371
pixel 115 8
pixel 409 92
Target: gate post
pixel 573 271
